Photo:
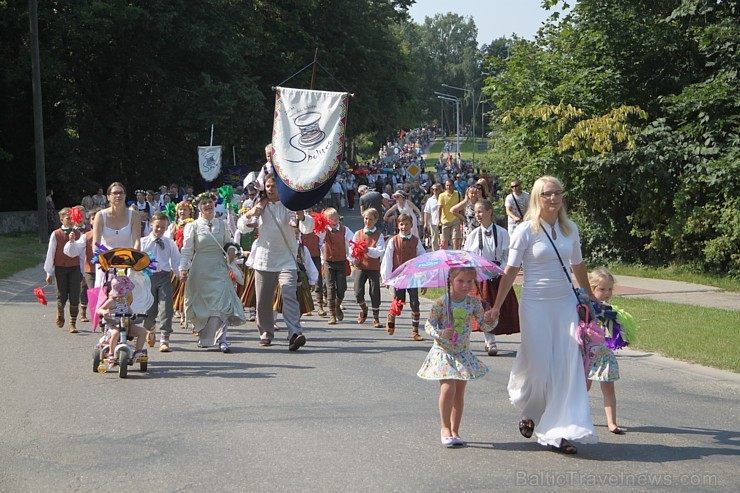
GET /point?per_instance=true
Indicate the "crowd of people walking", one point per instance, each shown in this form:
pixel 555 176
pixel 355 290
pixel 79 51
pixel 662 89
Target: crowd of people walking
pixel 234 255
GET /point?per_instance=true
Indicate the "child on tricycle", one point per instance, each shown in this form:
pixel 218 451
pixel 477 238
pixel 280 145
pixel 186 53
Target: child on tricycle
pixel 116 306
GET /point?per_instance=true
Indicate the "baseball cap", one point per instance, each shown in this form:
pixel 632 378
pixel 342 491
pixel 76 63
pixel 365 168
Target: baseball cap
pixel 399 192
pixel 386 196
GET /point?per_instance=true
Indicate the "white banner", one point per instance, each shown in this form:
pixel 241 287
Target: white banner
pixel 209 162
pixel 308 136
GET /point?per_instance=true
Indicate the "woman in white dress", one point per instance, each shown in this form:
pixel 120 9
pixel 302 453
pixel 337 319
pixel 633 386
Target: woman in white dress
pixel 210 300
pixel 547 380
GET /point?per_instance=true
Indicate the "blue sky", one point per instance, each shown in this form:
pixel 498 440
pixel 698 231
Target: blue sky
pixel 493 18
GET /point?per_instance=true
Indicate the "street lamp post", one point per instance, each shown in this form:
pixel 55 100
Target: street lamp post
pixel 472 94
pixel 450 97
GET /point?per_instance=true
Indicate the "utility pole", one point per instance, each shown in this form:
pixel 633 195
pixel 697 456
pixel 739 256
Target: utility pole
pixel 38 123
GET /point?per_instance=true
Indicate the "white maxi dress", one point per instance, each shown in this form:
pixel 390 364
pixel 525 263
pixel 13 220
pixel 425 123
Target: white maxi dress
pixel 547 381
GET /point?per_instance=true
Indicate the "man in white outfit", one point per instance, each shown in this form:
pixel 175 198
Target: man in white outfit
pixel 274 262
pixel 516 204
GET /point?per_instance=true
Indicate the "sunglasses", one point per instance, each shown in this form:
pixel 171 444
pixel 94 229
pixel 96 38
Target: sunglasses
pixel 516 186
pixel 117 193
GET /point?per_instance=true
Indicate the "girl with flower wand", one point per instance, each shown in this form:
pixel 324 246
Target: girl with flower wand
pixel 619 327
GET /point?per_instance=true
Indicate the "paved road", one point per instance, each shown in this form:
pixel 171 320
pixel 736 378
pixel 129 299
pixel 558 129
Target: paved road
pixel 345 413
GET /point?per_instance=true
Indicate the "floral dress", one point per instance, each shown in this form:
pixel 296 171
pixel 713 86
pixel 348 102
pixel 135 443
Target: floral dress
pixel 471 223
pixel 452 359
pixel 604 366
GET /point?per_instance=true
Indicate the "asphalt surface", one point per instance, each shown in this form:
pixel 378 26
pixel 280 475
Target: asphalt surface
pixel 345 413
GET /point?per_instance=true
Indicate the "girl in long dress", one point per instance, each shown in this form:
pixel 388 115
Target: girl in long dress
pixel 492 242
pixel 211 302
pixel 176 231
pixel 546 379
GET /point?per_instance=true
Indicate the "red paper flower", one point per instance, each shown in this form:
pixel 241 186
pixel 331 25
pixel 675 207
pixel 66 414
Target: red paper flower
pixel 40 295
pixel 321 223
pixel 396 307
pixel 75 214
pixel 359 249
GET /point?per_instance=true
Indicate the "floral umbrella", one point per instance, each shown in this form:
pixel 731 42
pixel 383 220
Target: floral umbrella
pixel 431 270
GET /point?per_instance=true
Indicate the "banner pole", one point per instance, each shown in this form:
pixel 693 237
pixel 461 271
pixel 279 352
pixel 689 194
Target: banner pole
pixel 211 135
pixel 313 71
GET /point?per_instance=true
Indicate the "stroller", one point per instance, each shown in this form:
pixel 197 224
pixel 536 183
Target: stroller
pixel 120 262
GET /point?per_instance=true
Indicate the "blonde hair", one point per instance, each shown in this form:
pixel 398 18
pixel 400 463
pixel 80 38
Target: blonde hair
pixel 535 206
pixel 373 212
pixel 486 190
pixel 330 211
pixel 597 276
pixel 456 271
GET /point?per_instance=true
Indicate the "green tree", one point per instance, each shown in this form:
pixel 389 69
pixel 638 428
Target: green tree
pixel 662 192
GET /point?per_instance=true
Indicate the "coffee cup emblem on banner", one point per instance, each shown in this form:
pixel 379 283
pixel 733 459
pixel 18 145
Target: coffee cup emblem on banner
pixel 307 143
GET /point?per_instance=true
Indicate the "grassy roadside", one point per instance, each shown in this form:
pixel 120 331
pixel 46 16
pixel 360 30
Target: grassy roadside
pixel 20 251
pixel 684 332
pixel 676 273
pixel 466 149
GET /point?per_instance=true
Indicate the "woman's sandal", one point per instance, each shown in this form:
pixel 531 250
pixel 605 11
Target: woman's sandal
pixel 565 447
pixel 526 427
pixel 617 430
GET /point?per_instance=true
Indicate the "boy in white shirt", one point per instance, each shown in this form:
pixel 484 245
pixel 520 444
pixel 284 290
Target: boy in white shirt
pixel 165 251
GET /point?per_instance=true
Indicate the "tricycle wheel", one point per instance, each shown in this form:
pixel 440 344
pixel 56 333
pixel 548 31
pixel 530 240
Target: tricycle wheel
pixel 96 360
pixel 123 365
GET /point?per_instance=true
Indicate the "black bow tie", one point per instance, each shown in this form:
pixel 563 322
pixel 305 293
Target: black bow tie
pixel 488 232
pixel 159 242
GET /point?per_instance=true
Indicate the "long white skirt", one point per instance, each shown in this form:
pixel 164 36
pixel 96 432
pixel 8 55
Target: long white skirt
pixel 547 380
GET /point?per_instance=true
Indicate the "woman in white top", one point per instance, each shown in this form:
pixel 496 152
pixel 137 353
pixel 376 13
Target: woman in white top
pixel 547 380
pixel 116 226
pixel 404 206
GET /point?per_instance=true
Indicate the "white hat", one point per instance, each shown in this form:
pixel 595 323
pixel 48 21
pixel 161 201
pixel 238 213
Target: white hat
pixel 386 196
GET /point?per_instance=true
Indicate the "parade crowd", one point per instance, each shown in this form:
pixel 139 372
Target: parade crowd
pixel 232 255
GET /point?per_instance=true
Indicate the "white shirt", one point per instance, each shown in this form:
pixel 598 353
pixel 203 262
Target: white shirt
pixel 70 249
pixel 386 265
pixel 271 254
pixel 311 272
pixel 523 202
pixel 373 252
pixel 495 247
pixel 168 258
pixel 431 208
